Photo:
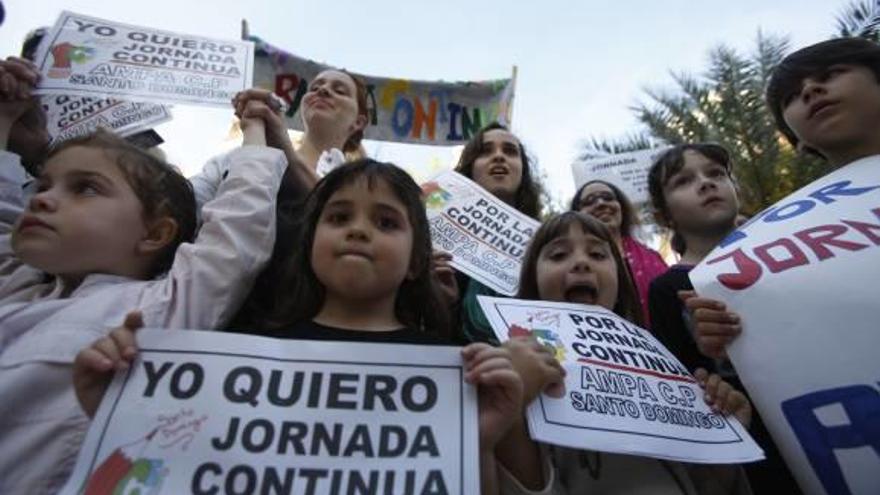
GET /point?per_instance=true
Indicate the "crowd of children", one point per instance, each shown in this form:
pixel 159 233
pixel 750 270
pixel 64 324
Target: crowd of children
pixel 99 237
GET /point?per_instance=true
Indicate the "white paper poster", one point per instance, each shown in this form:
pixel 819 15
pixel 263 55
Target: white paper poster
pixel 213 412
pixel 803 275
pixel 624 392
pixel 628 171
pixel 68 117
pixel 87 56
pixel 486 237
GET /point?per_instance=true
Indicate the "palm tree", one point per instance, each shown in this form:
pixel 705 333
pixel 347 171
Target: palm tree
pixel 860 19
pixel 595 147
pixel 726 105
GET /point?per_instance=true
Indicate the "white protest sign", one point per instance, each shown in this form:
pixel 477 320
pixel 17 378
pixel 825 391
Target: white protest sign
pixel 68 117
pixel 624 392
pixel 86 56
pixel 802 275
pixel 486 237
pixel 212 412
pixel 628 171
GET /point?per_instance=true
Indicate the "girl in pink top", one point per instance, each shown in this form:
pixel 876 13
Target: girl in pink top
pixel 610 205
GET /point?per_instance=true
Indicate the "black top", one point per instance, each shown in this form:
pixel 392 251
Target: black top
pixel 310 330
pixel 670 322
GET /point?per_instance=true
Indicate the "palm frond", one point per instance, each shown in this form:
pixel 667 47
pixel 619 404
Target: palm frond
pixel 860 20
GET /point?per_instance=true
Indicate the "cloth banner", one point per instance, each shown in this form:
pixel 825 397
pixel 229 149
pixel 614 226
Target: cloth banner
pixel 401 110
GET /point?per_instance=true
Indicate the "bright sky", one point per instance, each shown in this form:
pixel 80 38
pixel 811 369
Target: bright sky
pixel 582 64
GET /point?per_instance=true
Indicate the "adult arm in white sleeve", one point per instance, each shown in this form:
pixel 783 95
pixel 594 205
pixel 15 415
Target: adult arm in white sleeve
pixel 211 277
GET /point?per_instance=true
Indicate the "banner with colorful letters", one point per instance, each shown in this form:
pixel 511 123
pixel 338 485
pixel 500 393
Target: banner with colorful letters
pixel 402 110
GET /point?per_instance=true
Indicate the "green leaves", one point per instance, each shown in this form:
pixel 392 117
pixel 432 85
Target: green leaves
pixel 860 20
pixel 726 105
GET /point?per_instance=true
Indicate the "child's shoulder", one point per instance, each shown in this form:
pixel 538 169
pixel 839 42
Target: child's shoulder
pixel 673 279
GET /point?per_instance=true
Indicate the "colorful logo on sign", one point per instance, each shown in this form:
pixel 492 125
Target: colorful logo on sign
pixel 544 336
pixel 435 196
pixel 126 470
pixel 65 54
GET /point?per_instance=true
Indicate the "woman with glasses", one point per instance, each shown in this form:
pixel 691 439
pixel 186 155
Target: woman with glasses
pixel 610 205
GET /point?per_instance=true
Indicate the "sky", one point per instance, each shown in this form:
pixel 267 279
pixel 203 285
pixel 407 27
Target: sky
pixel 581 64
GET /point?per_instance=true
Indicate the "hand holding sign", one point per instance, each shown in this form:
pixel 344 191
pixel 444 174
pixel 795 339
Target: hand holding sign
pixel 723 398
pixel 17 77
pixel 500 390
pixel 714 326
pixel 538 368
pixel 444 275
pixel 92 370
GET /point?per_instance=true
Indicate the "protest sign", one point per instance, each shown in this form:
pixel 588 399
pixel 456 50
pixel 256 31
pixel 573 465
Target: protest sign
pixel 402 110
pixel 624 392
pixel 212 412
pixel 627 171
pixel 802 275
pixel 68 117
pixel 86 56
pixel 486 237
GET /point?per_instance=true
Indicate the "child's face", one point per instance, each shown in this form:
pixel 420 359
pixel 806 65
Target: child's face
pixel 839 107
pixel 499 167
pixel 85 217
pixel 700 197
pixel 363 242
pixel 598 200
pixel 577 267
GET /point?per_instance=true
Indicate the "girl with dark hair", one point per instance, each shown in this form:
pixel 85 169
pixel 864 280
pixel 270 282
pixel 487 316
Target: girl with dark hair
pixel 609 205
pixel 693 193
pixel 496 160
pixel 362 273
pixel 573 258
pixel 365 236
pixel 334 112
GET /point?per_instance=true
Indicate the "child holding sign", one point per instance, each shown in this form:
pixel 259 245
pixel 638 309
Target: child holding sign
pixel 573 258
pixel 364 276
pixel 839 77
pixel 110 228
pixel 825 99
pixel 496 160
pixel 693 192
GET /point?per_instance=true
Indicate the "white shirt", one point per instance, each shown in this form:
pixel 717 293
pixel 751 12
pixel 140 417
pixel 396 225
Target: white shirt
pixel 41 424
